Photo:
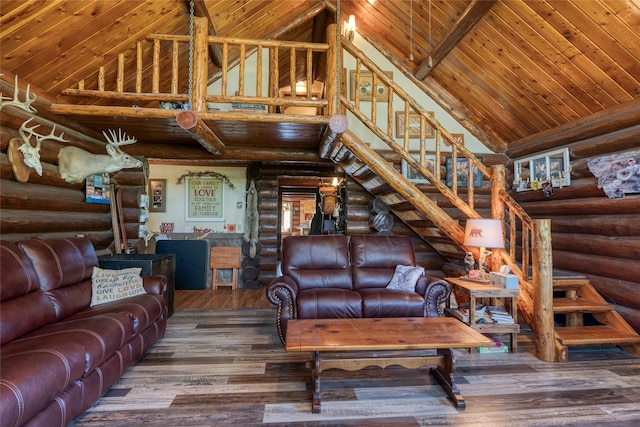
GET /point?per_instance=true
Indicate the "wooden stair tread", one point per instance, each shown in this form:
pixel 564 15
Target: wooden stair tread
pixel 595 335
pixel 574 305
pixel 566 284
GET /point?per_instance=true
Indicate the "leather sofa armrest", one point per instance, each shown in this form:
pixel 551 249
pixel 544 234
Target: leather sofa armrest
pixel 282 292
pixel 436 292
pixel 155 284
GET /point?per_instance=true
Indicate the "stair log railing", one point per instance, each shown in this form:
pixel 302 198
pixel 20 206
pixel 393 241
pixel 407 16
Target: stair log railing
pixel 528 253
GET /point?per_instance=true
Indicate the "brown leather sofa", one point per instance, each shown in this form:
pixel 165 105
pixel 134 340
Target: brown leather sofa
pixel 58 354
pixel 338 276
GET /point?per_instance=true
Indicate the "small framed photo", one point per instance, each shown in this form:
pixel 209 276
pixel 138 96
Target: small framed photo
pixel 366 88
pixel 413 175
pixel 158 195
pixel 462 170
pixel 414 125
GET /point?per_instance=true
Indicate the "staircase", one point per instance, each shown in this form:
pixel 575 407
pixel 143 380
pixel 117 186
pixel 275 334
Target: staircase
pixel 438 218
pixel 574 299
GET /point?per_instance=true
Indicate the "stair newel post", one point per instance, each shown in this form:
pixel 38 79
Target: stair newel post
pixel 498 183
pixel 333 70
pixel 542 277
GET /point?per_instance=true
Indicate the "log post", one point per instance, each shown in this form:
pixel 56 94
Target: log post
pixel 197 128
pixel 333 68
pixel 497 207
pixel 542 269
pixel 200 64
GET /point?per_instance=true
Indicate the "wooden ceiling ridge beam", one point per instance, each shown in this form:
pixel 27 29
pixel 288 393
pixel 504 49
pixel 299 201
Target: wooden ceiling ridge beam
pixel 200 9
pixel 469 18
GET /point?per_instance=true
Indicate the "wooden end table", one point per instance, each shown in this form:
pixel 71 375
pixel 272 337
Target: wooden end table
pixel 347 344
pixel 489 292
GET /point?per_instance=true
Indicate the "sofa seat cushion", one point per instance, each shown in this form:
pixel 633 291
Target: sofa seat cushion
pixel 382 302
pixel 144 310
pixel 100 337
pixel 327 303
pixel 33 377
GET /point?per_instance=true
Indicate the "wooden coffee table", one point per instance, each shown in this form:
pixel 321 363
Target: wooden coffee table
pixel 352 344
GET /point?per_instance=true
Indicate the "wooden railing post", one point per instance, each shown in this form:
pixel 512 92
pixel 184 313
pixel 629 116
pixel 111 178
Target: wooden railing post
pixel 200 64
pixel 542 270
pixel 497 207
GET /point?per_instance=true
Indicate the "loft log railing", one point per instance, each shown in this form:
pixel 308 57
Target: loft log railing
pixel 528 252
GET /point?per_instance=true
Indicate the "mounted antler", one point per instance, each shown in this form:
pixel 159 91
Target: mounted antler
pixel 31 154
pixel 24 105
pixel 76 164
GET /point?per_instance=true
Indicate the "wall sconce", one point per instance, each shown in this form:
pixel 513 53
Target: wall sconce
pixel 350 28
pixel 483 233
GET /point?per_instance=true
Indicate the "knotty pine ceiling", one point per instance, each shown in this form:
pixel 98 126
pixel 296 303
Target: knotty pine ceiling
pixel 522 68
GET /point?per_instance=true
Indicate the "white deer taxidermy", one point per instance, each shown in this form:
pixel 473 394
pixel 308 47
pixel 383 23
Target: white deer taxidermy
pixel 23 105
pixel 30 153
pixel 76 164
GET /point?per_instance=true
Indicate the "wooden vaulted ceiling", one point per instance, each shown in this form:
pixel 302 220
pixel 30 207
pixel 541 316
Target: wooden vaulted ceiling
pixel 505 72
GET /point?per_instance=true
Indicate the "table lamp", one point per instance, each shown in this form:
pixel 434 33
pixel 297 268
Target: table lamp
pixel 483 233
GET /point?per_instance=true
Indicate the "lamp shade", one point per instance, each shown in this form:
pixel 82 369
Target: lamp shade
pixel 483 233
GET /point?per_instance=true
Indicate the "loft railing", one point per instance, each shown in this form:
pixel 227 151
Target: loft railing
pixel 154 68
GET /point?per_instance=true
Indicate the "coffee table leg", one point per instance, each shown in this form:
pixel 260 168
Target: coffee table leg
pixel 315 408
pixel 443 373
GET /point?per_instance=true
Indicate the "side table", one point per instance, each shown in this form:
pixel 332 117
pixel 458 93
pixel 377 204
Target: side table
pixel 489 293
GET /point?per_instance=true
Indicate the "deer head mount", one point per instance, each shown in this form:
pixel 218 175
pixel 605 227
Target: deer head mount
pixel 30 153
pixel 76 164
pixel 24 105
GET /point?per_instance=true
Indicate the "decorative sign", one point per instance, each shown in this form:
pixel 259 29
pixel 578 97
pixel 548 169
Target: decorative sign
pixel 205 199
pixel 98 189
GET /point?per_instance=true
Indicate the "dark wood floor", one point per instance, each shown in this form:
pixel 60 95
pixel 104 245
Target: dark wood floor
pixel 221 363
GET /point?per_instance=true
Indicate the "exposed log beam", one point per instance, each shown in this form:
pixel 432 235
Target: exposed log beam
pixel 338 124
pixel 190 122
pixel 469 18
pixel 200 9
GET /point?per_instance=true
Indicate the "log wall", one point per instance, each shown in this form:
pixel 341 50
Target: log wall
pixel 48 207
pixel 591 233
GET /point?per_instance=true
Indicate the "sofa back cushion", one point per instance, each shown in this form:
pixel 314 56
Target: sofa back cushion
pixel 64 268
pixel 317 261
pixel 25 307
pixel 374 259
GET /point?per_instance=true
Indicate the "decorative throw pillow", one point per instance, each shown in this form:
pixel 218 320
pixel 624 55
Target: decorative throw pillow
pixel 113 285
pixel 405 278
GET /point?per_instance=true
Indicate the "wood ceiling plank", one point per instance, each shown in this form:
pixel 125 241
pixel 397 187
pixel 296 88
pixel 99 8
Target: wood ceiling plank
pixel 597 36
pixel 527 44
pixel 575 58
pixel 24 15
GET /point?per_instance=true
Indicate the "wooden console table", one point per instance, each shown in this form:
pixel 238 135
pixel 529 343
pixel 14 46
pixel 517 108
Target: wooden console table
pixel 348 344
pixel 485 291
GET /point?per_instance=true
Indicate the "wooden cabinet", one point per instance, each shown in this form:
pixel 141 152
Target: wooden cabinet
pixel 151 265
pixel 488 295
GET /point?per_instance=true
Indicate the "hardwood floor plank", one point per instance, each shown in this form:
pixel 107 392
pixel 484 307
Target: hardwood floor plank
pixel 222 365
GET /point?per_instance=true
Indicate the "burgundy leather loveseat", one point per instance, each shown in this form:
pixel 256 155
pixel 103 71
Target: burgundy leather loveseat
pixel 339 276
pixel 58 354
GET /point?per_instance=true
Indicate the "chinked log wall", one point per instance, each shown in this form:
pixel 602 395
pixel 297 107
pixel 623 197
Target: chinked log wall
pixel 591 233
pixel 48 207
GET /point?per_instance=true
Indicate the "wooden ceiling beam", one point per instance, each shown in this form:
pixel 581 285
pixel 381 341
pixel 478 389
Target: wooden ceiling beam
pixel 190 122
pixel 469 18
pixel 200 9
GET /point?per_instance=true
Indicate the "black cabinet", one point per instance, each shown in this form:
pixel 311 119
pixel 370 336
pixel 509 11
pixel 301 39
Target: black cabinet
pixel 151 265
pixel 192 262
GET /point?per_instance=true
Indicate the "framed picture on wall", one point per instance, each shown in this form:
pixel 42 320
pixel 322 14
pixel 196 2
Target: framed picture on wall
pixel 366 88
pixel 205 199
pixel 462 173
pixel 413 175
pixel 414 125
pixel 157 195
